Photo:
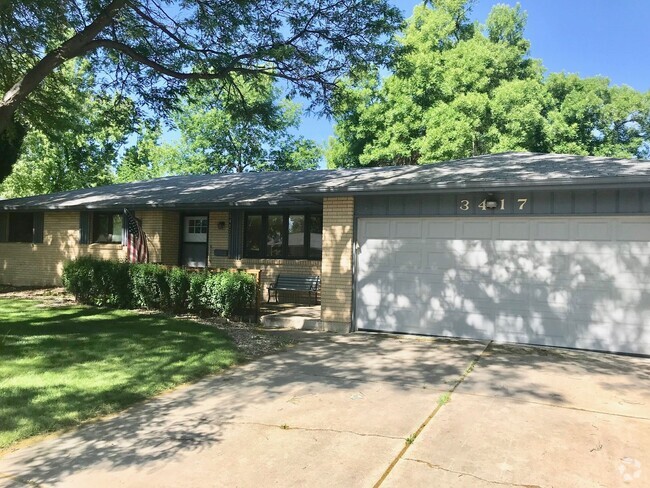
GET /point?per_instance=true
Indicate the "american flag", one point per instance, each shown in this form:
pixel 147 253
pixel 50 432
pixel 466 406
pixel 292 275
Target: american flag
pixel 136 241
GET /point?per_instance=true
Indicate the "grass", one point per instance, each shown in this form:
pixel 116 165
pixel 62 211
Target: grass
pixel 444 399
pixel 62 365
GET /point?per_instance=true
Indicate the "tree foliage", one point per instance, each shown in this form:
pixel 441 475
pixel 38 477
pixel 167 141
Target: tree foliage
pixel 253 130
pixel 80 147
pixel 148 49
pixel 459 89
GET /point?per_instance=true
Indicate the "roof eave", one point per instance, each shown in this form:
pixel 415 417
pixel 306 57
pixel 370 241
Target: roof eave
pixel 298 203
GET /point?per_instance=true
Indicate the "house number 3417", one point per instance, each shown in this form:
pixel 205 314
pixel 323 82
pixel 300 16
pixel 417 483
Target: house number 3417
pixel 501 204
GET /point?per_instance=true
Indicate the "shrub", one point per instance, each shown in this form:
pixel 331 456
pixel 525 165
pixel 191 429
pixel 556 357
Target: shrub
pixel 195 292
pixel 178 281
pixel 98 282
pixel 125 285
pixel 78 278
pixel 229 293
pixel 150 287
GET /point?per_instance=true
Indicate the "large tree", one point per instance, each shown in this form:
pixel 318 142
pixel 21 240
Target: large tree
pixel 458 88
pixel 255 130
pixel 150 48
pixel 77 149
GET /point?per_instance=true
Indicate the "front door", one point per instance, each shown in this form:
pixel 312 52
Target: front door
pixel 195 241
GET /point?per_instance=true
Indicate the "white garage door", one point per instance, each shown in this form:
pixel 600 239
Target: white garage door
pixel 564 281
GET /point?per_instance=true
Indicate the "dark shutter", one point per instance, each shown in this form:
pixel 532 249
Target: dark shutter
pixel 4 227
pixel 37 237
pixel 236 244
pixel 84 227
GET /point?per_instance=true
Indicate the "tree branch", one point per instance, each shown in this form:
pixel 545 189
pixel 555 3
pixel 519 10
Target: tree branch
pixel 69 49
pixel 221 73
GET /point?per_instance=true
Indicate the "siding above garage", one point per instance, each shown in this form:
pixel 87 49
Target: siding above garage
pixel 510 203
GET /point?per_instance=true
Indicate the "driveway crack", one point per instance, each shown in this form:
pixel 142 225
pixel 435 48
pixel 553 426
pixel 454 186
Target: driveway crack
pixel 412 438
pixel 555 405
pixel 461 473
pixel 316 429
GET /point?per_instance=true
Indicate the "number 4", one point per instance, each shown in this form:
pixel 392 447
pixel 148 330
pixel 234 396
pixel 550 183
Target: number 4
pixel 522 202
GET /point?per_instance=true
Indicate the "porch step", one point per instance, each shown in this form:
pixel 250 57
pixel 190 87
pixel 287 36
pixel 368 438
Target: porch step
pixel 305 318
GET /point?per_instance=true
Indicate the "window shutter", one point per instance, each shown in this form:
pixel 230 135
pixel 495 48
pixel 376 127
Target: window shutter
pixel 37 237
pixel 84 227
pixel 236 244
pixel 4 227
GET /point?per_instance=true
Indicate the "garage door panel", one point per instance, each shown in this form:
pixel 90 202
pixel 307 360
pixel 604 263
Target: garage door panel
pixel 475 229
pixel 406 228
pixel 592 231
pixel 452 324
pixel 487 280
pixel 632 231
pixel 515 229
pixel 550 230
pixel 408 258
pixel 376 229
pixel 437 229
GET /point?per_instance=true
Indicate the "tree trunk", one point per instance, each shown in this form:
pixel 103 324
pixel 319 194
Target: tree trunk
pixel 73 47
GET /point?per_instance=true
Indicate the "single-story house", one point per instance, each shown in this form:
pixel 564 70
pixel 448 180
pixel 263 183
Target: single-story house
pixel 517 247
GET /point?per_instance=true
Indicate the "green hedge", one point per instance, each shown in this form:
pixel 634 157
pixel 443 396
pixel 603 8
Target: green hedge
pixel 96 282
pixel 125 285
pixel 150 286
pixel 229 293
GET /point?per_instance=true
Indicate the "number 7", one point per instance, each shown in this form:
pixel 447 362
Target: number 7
pixel 522 202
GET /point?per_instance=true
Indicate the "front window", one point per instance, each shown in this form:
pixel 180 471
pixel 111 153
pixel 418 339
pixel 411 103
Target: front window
pixel 296 244
pixel 274 236
pixel 315 237
pixel 253 236
pixel 197 225
pixel 107 228
pixel 21 227
pixel 283 236
pixel 196 229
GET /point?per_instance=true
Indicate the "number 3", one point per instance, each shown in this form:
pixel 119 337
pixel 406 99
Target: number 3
pixel 464 204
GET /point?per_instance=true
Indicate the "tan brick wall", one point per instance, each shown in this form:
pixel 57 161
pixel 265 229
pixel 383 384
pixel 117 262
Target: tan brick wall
pixel 338 224
pixel 170 238
pixel 218 239
pixel 162 229
pixel 24 264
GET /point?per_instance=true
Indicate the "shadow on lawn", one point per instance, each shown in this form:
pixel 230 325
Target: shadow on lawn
pixel 195 418
pixel 65 365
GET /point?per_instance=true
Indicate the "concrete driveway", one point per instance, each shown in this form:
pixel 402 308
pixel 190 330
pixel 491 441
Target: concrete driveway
pixel 336 410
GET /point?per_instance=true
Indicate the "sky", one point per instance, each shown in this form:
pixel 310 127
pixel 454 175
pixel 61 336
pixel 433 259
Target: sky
pixel 588 37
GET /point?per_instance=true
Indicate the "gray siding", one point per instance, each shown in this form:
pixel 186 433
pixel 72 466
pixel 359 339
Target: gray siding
pixel 511 203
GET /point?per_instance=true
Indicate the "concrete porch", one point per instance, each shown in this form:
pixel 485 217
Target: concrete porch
pixel 290 316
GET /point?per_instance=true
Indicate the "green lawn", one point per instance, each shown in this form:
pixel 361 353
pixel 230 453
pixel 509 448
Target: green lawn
pixel 59 366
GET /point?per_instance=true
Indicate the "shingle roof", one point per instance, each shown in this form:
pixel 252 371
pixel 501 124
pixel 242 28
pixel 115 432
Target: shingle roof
pixel 291 188
pixel 492 171
pixel 243 189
